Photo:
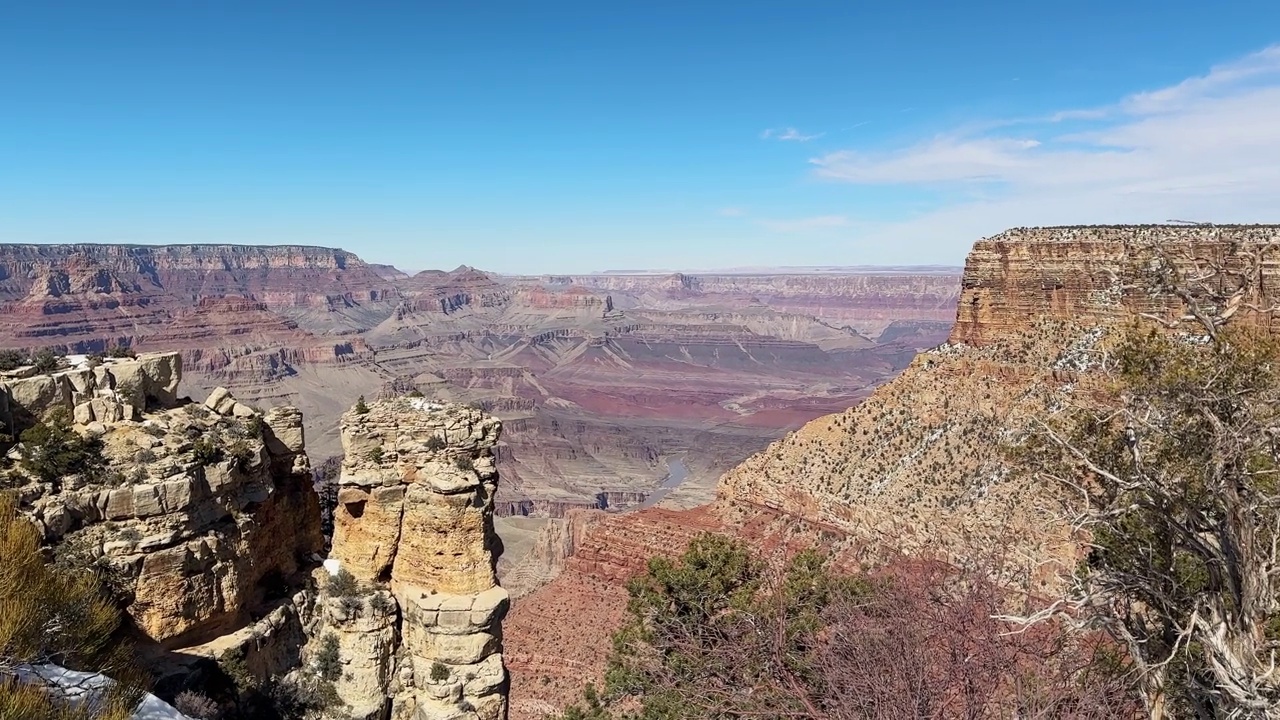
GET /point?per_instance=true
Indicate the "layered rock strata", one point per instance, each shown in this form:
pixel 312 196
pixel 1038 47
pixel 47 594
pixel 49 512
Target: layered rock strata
pixel 921 467
pixel 414 526
pixel 99 392
pixel 204 514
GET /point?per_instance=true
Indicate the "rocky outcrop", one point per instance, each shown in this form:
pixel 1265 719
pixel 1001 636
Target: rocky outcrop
pixel 414 526
pixel 204 515
pixel 99 391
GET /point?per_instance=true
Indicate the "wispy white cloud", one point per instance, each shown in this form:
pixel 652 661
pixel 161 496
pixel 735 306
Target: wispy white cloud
pixel 1206 148
pixel 786 134
pixel 731 212
pixel 817 222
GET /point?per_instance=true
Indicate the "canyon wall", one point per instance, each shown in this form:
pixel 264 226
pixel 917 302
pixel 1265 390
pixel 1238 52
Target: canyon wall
pixel 921 466
pixel 233 311
pixel 866 299
pixel 414 525
pixel 600 381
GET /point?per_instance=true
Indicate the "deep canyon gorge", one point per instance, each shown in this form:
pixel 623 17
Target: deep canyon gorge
pixel 602 381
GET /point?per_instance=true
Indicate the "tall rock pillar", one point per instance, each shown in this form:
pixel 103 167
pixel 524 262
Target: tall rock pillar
pixel 415 517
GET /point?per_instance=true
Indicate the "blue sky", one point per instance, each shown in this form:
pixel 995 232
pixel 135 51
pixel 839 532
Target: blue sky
pixel 572 137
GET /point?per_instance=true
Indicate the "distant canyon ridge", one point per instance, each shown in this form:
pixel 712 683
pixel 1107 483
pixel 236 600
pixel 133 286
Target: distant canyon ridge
pixel 607 384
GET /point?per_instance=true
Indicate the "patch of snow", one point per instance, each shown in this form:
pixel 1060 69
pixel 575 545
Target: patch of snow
pixel 1192 338
pixel 78 687
pixel 332 565
pixel 425 405
pixel 1080 356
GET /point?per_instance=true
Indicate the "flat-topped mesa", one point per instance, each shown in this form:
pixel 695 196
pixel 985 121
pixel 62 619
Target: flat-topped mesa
pixel 415 516
pixel 1088 274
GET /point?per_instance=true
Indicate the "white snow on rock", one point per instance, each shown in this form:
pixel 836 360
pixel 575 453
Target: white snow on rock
pixel 80 686
pixel 425 405
pixel 332 566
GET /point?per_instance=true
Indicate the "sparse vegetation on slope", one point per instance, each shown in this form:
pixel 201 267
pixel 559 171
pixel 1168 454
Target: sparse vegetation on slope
pixel 718 634
pixel 1180 496
pixel 51 450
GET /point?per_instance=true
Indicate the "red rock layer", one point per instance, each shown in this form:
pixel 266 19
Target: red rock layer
pixel 919 467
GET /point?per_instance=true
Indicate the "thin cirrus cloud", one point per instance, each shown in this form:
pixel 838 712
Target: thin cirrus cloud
pixel 788 134
pixel 1206 148
pixel 731 212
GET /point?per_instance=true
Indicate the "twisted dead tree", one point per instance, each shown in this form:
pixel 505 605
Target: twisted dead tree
pixel 1176 463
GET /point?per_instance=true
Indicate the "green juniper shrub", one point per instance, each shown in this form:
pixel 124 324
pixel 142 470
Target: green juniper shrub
pixel 242 453
pixel 716 633
pixel 328 659
pixel 51 450
pixel 232 663
pixel 343 584
pixel 207 450
pixel 45 361
pixel 12 359
pixel 351 605
pixel 382 603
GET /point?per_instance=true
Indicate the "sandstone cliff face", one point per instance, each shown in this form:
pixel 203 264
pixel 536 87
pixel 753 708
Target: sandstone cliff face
pixel 414 520
pixel 1090 274
pixel 203 513
pixel 920 467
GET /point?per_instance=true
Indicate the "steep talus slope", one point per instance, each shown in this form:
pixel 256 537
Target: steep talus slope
pixel 921 466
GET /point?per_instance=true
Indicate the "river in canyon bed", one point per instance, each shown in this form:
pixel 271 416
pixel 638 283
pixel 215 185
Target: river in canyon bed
pixel 677 473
